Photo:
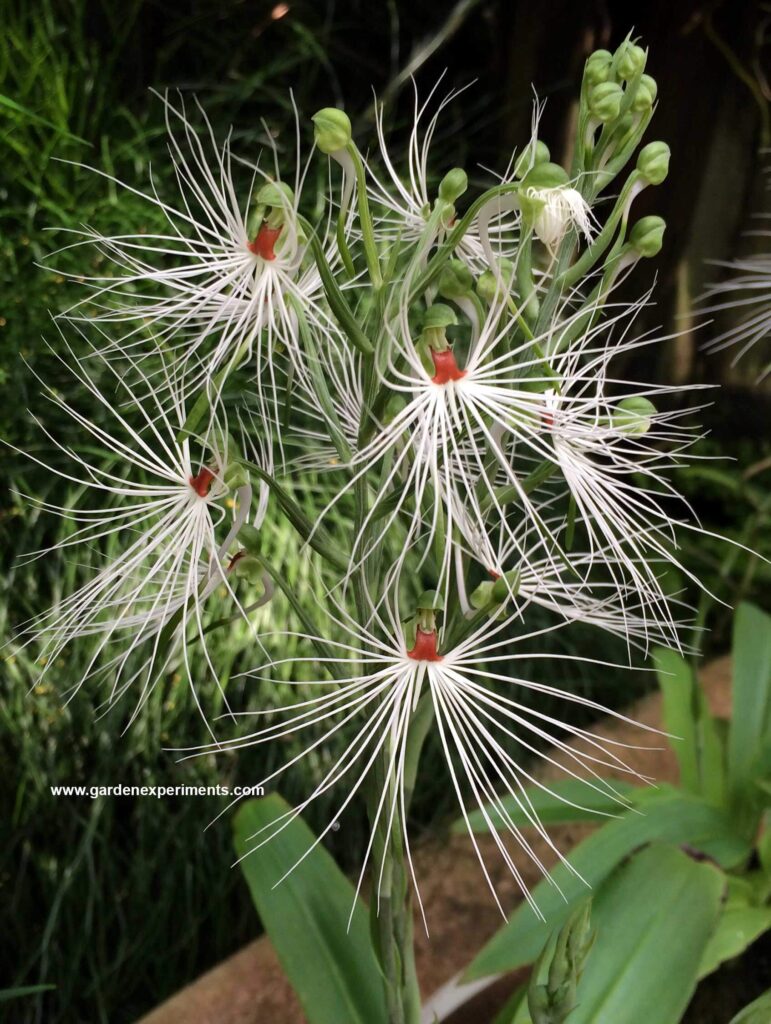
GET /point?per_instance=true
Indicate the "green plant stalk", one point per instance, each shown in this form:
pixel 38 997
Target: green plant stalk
pixel 365 219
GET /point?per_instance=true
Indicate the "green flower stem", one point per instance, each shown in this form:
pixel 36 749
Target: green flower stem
pixel 365 218
pixel 326 404
pixel 595 250
pixel 451 242
pixel 505 495
pixel 315 538
pixel 335 297
pixel 526 285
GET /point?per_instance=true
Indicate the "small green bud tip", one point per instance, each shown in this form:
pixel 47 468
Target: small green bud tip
pixel 332 129
pixel 276 194
pixel 506 586
pixel 430 601
pixel 653 162
pixel 633 415
pixel 438 317
pixel 645 96
pixel 647 236
pixel 605 101
pixel 598 66
pixel 453 185
pixel 487 285
pixel 456 280
pixel 629 59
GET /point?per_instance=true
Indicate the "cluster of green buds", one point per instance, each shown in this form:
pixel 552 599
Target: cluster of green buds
pixel 553 1000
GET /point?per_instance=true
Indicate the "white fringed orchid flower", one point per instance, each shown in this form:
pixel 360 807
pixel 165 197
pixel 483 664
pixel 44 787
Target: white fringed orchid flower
pixel 165 510
pixel 229 282
pixel 380 679
pixel 406 210
pixel 746 289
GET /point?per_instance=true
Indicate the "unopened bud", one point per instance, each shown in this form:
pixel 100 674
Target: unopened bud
pixel 605 101
pixel 456 280
pixel 647 236
pixel 629 59
pixel 653 162
pixel 488 285
pixel 275 194
pixel 235 476
pixel 246 567
pixel 251 538
pixel 645 96
pixel 453 185
pixel 598 67
pixel 430 600
pixel 633 415
pixel 332 129
pixel 534 153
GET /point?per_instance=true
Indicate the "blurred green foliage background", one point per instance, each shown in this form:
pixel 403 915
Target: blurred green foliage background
pixel 119 902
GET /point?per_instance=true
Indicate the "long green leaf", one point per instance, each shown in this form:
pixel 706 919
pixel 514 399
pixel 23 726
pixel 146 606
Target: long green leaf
pixel 551 808
pixel 332 968
pixel 758 1012
pixel 737 929
pixel 678 687
pixel 652 919
pixel 677 820
pixel 749 738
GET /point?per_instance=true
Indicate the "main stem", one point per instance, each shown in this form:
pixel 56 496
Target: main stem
pixel 390 902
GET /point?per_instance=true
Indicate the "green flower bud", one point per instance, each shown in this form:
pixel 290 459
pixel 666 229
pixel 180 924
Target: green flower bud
pixel 488 286
pixel 506 586
pixel 435 323
pixel 430 600
pixel 629 59
pixel 246 567
pixel 598 67
pixel 276 194
pixel 545 175
pixel 633 415
pixel 605 101
pixel 456 280
pixel 438 317
pixel 647 236
pixel 251 538
pixel 235 476
pixel 532 155
pixel 453 185
pixel 645 96
pixel 332 129
pixel 653 162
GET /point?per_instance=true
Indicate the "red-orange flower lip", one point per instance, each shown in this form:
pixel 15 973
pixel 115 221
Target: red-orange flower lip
pixel 425 647
pixel 202 482
pixel 446 367
pixel 264 243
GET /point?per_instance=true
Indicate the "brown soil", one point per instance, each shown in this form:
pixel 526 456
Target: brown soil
pixel 250 988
